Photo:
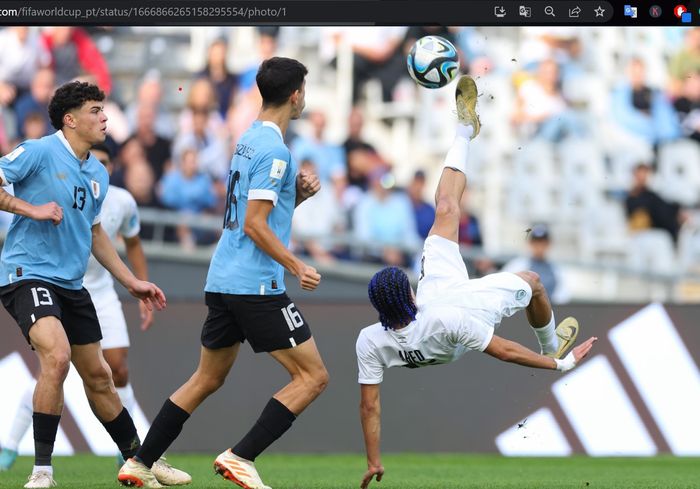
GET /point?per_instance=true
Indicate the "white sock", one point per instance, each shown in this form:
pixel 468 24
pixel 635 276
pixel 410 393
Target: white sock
pixel 23 419
pixel 547 337
pixel 43 468
pixel 126 394
pixel 458 154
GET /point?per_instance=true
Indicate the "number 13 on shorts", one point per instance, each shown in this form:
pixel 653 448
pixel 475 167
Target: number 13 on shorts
pixel 293 317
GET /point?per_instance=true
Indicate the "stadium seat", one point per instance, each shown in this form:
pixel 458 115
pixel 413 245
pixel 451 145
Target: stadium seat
pixel 582 175
pixel 603 233
pixel 652 251
pixel 678 176
pixel 532 194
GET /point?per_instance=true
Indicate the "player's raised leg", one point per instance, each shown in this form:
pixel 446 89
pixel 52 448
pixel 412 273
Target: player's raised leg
pixel 214 366
pixel 20 424
pixel 453 179
pixel 49 340
pixel 309 379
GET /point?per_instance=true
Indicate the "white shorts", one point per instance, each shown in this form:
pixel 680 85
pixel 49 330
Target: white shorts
pixel 111 317
pixel 445 282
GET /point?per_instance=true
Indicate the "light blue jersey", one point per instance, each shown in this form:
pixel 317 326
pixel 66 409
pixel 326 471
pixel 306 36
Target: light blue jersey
pixel 261 169
pixel 42 171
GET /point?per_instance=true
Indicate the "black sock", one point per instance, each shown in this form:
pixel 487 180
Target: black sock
pixel 123 432
pixel 272 423
pixel 164 430
pixel 45 429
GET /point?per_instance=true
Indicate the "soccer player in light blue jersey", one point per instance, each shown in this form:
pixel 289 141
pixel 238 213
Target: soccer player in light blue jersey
pixel 245 289
pixel 59 190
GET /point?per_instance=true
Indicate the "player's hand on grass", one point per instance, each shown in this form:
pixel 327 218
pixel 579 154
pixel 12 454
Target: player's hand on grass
pixel 150 294
pixel 48 212
pixel 146 316
pixel 308 277
pixel 308 184
pixel 372 470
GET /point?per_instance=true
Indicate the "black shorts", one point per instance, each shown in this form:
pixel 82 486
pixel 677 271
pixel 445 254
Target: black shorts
pixel 268 322
pixel 30 300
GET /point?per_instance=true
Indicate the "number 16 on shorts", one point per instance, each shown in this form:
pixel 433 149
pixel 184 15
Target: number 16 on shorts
pixel 293 317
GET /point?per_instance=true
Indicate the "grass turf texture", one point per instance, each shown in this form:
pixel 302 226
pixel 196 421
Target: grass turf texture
pixel 405 471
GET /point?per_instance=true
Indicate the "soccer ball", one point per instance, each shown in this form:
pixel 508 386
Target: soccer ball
pixel 432 62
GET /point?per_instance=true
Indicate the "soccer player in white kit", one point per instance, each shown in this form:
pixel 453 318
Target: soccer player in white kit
pixel 120 218
pixel 451 314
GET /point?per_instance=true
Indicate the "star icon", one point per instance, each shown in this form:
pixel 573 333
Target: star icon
pixel 599 11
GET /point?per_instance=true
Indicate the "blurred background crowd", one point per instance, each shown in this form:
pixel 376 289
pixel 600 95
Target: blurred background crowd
pixel 587 169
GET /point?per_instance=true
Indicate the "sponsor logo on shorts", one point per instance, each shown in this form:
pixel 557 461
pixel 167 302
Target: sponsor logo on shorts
pixel 520 295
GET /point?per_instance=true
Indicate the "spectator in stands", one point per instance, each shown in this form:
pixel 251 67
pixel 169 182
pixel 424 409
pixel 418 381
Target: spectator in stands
pixel 35 126
pixel 642 112
pixel 360 156
pixel 202 99
pixel 561 44
pixel 685 62
pixel 213 157
pixel 688 106
pixel 318 219
pixel 541 110
pixel 378 54
pixel 73 53
pixel 37 100
pixel 150 93
pixel 139 181
pixel 22 56
pixel 187 189
pixel 155 146
pixel 553 280
pixel 647 210
pixel 384 221
pixel 130 153
pixel 224 82
pixel 423 211
pixel 328 158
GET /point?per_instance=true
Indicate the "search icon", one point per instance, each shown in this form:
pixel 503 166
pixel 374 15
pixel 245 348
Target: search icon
pixel 549 10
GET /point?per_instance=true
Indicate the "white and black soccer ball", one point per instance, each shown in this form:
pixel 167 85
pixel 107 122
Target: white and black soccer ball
pixel 433 62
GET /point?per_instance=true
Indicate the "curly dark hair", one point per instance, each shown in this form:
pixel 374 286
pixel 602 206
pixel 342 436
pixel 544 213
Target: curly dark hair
pixel 69 96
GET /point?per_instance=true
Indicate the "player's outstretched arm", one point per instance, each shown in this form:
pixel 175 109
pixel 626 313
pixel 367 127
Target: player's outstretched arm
pixel 264 238
pixel 370 415
pixel 46 212
pixel 308 185
pixel 103 250
pixel 510 351
pixel 137 260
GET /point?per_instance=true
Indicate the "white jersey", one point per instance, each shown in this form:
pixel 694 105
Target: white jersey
pixel 455 315
pixel 440 334
pixel 119 216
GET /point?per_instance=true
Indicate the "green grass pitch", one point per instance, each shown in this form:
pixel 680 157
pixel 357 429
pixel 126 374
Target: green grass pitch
pixel 403 471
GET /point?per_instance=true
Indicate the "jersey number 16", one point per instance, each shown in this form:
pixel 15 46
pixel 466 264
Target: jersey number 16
pixel 293 317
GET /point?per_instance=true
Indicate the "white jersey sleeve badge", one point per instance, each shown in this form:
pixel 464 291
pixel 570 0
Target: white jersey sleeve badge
pixel 278 168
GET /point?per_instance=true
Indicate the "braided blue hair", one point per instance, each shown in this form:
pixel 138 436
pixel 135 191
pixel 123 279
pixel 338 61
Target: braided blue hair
pixel 390 294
